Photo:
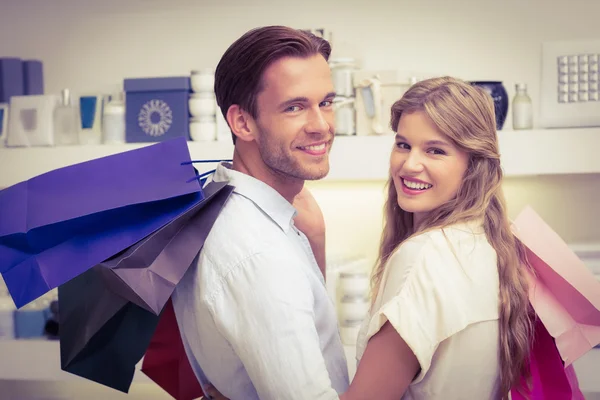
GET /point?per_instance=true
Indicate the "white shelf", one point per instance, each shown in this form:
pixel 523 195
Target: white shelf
pixel 39 360
pixel 524 153
pixel 354 158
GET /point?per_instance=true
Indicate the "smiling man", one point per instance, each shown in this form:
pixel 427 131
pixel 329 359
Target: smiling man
pixel 254 313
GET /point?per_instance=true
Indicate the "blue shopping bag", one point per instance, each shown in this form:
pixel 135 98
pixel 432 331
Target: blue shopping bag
pixel 57 225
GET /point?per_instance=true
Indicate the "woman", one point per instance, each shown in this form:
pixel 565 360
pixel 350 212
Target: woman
pixel 450 317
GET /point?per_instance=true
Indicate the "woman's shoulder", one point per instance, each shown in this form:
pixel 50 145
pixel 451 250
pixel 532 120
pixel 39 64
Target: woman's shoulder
pixel 444 238
pixel 455 248
pixel 440 239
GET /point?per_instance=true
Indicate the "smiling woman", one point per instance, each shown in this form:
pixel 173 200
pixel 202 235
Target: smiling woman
pixel 450 314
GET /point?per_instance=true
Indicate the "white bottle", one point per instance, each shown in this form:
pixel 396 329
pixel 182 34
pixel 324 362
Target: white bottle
pixel 522 109
pixel 67 121
pixel 113 121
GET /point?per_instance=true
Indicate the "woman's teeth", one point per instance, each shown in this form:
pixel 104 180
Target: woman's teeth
pixel 416 185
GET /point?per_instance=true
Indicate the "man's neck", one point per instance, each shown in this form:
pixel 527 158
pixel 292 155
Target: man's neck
pixel 250 163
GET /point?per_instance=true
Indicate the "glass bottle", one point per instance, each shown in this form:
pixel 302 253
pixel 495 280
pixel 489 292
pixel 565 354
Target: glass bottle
pixel 522 109
pixel 67 121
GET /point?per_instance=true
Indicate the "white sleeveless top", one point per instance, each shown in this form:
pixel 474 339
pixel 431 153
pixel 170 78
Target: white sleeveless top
pixel 440 292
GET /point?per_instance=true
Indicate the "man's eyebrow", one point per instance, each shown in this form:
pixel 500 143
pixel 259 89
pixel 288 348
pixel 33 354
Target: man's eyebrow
pixel 301 99
pixel 294 100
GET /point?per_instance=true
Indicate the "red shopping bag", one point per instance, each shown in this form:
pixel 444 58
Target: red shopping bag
pixel 165 361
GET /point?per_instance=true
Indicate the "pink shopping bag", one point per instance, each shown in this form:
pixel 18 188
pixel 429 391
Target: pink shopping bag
pixel 563 291
pixel 550 380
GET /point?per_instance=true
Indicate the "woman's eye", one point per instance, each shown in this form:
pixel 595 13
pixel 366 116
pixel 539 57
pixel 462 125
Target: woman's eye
pixel 437 151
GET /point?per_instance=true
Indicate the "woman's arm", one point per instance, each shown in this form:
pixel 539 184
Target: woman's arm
pixel 310 221
pixel 386 369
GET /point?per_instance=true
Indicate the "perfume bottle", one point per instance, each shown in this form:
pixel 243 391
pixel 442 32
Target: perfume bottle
pixel 67 121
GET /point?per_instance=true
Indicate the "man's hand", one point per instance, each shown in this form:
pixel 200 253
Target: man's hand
pixel 310 221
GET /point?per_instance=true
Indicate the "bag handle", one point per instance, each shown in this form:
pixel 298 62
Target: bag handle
pixel 204 176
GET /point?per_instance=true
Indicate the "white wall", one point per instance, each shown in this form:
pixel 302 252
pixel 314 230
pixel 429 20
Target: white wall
pixel 92 45
pixel 569 204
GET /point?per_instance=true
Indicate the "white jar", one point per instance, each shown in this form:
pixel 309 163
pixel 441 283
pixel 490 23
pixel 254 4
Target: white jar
pixel 354 307
pixel 202 104
pixel 342 71
pixel 354 283
pixel 344 116
pixel 203 129
pixel 203 80
pixel 349 330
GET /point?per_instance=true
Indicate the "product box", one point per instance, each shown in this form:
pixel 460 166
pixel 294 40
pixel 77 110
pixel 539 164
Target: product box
pixel 156 109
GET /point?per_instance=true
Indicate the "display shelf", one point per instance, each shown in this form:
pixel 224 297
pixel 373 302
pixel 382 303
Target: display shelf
pixel 353 158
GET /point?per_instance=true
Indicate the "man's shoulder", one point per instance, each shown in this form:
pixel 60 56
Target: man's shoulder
pixel 241 230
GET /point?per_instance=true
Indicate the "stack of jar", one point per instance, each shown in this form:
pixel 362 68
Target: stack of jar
pixel 202 106
pixel 354 305
pixel 342 74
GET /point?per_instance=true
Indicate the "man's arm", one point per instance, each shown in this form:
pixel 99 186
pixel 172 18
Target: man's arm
pixel 265 311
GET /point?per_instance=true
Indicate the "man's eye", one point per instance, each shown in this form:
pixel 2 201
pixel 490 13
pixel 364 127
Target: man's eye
pixel 326 103
pixel 402 145
pixel 292 109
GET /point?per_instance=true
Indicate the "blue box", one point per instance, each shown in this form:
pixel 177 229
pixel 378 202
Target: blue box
pixel 33 77
pixel 156 109
pixel 11 78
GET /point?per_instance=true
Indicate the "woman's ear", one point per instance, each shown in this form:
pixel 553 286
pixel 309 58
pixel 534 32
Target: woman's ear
pixel 241 123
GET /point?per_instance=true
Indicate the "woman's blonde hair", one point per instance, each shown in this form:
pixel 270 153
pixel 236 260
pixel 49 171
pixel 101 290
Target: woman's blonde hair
pixel 465 113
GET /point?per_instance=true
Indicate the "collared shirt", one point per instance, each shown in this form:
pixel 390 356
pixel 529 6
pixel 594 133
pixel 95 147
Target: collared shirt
pixel 254 313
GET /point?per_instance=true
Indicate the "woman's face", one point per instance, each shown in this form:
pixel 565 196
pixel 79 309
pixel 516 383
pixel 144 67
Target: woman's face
pixel 426 167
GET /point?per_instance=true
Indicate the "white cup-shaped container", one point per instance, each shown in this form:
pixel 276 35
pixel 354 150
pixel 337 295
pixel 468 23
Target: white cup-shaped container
pixel 349 330
pixel 354 307
pixel 203 80
pixel 202 104
pixel 203 129
pixel 354 283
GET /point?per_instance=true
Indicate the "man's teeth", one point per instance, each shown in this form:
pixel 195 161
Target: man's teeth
pixel 318 147
pixel 416 185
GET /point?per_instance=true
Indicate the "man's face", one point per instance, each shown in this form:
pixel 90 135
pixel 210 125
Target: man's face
pixel 295 119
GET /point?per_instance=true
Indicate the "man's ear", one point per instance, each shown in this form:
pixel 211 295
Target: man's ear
pixel 241 123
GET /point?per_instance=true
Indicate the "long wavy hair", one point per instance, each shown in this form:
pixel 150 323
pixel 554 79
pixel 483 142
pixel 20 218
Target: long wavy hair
pixel 465 114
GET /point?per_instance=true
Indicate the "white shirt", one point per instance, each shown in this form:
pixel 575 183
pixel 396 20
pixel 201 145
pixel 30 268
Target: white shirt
pixel 440 292
pixel 254 313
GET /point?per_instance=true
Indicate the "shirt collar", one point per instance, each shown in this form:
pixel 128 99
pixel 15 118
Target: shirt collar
pixel 264 196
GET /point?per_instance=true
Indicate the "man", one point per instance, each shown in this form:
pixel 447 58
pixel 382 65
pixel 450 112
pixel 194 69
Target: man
pixel 255 317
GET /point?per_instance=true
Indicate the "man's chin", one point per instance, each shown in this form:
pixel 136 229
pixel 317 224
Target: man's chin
pixel 316 177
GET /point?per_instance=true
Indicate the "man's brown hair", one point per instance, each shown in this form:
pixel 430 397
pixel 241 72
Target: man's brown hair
pixel 238 77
